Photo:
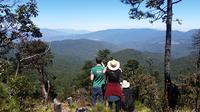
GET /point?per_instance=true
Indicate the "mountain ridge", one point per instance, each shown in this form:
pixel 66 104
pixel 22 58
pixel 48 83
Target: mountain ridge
pixel 140 39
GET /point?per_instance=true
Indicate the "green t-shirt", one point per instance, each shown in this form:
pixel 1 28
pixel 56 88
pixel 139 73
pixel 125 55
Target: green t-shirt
pixel 99 78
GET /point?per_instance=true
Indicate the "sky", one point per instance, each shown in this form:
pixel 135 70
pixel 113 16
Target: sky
pixel 94 15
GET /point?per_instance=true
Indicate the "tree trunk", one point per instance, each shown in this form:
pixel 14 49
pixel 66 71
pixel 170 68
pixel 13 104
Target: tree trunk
pixel 45 92
pixel 167 56
pixel 57 105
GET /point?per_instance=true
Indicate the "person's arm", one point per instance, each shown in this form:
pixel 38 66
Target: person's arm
pixel 120 69
pixel 102 64
pixel 91 76
pixel 104 70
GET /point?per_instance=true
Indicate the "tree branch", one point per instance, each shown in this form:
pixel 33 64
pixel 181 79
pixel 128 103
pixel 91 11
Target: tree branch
pixel 159 16
pixel 29 57
pixel 161 9
pixel 176 2
pixel 40 54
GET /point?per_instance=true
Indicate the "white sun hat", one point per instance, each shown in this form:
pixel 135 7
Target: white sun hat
pixel 113 65
pixel 125 84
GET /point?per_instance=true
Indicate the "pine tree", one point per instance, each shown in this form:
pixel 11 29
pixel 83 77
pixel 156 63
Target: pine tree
pixel 156 10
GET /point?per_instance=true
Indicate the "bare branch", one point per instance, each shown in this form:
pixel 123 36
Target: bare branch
pixel 48 88
pixel 176 2
pixel 132 2
pixel 162 9
pixel 17 70
pixel 29 57
pixel 178 21
pixel 159 16
pixel 138 5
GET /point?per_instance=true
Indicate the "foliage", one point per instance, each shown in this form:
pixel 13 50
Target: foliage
pixel 5 69
pixel 9 104
pixel 64 85
pixel 147 91
pixel 20 86
pixel 105 54
pixel 152 9
pixel 156 10
pixel 19 34
pixel 35 54
pixel 190 91
pixel 22 89
pixel 145 87
pixel 17 31
pixel 18 95
pixel 16 23
pixel 3 91
pixel 100 108
pixel 196 40
pixel 140 107
pixel 185 109
pixel 43 109
pixel 130 68
pixel 83 79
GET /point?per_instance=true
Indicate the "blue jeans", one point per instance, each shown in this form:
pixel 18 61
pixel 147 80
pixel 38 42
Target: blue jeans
pixel 117 105
pixel 97 94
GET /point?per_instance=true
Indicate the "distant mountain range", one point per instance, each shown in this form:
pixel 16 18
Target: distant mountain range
pixel 140 39
pixel 59 34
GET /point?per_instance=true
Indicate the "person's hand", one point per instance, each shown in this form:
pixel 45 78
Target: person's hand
pixel 104 70
pixel 102 64
pixel 120 69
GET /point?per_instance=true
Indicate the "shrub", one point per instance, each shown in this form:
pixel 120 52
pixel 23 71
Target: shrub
pixel 100 108
pixel 7 103
pixel 141 107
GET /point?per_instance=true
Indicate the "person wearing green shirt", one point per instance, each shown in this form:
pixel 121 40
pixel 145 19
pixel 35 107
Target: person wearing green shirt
pixel 98 80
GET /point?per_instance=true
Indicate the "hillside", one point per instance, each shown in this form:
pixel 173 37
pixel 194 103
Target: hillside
pixel 184 65
pixel 124 55
pixel 69 55
pixel 179 67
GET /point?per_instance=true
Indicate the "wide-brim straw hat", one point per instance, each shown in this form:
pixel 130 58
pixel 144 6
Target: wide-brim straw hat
pixel 125 84
pixel 113 65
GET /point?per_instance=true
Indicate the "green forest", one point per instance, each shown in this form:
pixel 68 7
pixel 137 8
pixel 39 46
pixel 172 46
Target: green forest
pixel 33 72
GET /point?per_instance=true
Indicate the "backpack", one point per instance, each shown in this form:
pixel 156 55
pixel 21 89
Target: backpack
pixel 175 91
pixel 172 93
pixel 113 76
pixel 128 100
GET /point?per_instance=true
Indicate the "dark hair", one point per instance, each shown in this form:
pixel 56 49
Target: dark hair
pixel 98 60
